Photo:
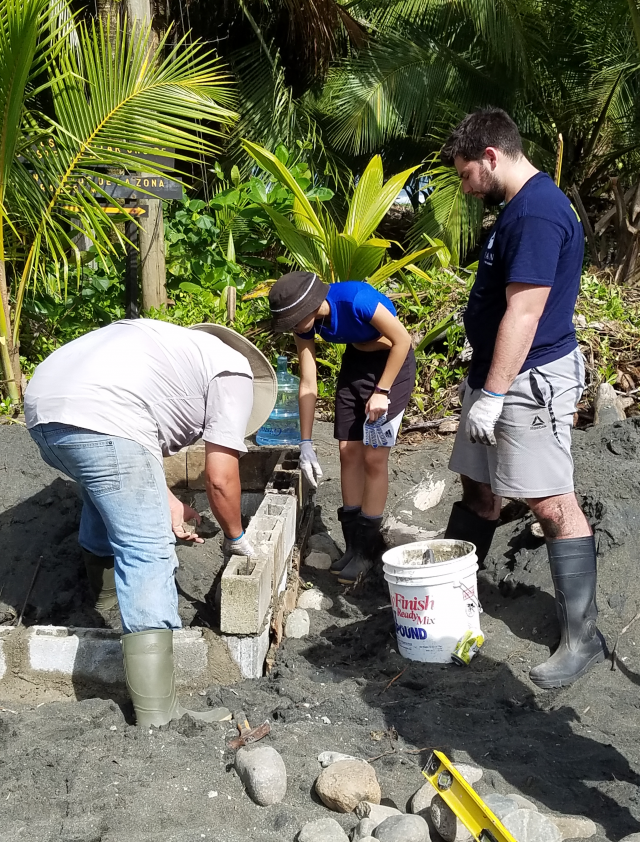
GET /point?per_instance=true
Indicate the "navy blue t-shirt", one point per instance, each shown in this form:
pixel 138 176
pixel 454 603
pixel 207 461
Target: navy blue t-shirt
pixel 537 239
pixel 352 304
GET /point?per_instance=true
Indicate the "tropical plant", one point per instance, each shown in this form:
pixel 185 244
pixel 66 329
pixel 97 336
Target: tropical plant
pixel 313 239
pixel 112 100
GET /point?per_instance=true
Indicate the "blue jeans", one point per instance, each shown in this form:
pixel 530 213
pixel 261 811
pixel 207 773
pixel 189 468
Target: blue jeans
pixel 125 514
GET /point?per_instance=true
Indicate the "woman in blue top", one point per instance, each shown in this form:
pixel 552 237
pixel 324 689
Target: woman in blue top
pixel 374 386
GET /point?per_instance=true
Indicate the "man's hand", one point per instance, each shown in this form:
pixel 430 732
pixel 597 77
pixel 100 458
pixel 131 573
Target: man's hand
pixel 237 546
pixel 309 464
pixel 180 513
pixel 377 406
pixel 483 417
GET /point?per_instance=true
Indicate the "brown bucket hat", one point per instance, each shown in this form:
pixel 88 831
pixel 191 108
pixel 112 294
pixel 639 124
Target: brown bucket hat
pixel 294 296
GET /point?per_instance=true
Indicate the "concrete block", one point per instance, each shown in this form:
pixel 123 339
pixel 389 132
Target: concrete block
pixel 249 653
pixel 284 507
pixel 88 654
pixel 191 658
pixel 195 466
pixel 4 656
pixel 245 594
pixel 175 470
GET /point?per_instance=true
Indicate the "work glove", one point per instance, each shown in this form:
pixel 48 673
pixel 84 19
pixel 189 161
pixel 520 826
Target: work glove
pixel 462 388
pixel 378 433
pixel 483 417
pixel 309 464
pixel 237 546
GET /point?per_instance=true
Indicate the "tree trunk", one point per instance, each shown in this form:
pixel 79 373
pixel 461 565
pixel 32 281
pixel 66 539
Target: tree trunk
pixel 153 270
pixel 9 355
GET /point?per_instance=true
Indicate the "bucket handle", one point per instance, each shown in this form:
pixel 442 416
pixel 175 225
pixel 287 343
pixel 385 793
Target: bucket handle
pixel 473 598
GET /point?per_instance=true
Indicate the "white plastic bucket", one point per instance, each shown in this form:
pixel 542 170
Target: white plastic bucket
pixel 433 604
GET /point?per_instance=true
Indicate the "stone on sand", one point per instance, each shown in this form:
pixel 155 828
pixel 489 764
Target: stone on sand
pixel 446 823
pixel 322 542
pixel 343 785
pixel 322 830
pixel 263 774
pixel 320 561
pixel 314 600
pixel 297 624
pixel 528 826
pixel 377 812
pixel 501 805
pixel 326 758
pixel 421 800
pixel 471 774
pixel 402 829
pixel 575 827
pixel 363 829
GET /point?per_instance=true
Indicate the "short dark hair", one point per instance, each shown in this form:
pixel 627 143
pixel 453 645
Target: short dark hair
pixel 487 127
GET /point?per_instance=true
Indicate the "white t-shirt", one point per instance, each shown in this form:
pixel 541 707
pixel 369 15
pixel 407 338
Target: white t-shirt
pixel 161 385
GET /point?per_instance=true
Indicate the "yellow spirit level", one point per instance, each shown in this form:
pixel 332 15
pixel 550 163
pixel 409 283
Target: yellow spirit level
pixel 465 802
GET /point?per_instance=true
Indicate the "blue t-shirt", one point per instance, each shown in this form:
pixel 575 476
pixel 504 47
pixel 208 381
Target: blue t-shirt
pixel 537 239
pixel 352 304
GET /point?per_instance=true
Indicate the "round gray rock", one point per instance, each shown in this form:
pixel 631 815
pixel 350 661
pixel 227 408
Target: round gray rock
pixel 575 827
pixel 501 805
pixel 402 829
pixel 322 830
pixel 363 829
pixel 528 826
pixel 377 812
pixel 322 542
pixel 343 785
pixel 446 823
pixel 635 837
pixel 421 800
pixel 263 774
pixel 321 561
pixel 314 600
pixel 471 774
pixel 297 624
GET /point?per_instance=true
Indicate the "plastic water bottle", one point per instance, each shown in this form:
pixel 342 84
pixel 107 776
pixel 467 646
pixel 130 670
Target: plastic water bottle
pixel 283 425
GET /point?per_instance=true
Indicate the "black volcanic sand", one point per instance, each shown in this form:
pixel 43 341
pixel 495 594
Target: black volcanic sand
pixel 77 771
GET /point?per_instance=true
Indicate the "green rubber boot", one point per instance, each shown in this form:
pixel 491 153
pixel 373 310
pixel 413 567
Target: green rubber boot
pixel 102 580
pixel 149 670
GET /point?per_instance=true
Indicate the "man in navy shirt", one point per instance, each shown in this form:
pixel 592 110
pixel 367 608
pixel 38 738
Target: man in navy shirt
pixel 526 377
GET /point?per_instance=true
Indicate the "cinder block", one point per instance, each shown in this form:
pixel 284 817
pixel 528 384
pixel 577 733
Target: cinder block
pixel 284 507
pixel 175 470
pixel 90 654
pixel 249 653
pixel 191 658
pixel 4 657
pixel 245 594
pixel 195 466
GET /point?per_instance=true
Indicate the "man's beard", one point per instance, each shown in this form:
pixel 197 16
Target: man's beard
pixel 493 192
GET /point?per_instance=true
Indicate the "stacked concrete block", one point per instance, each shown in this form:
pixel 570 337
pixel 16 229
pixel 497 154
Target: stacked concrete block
pixel 250 652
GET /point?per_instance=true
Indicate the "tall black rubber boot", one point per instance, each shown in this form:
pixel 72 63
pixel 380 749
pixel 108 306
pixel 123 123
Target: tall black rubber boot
pixel 348 522
pixel 465 525
pixel 573 568
pixel 368 545
pixel 102 580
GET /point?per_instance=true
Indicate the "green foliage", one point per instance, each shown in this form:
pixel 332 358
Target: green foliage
pixel 313 239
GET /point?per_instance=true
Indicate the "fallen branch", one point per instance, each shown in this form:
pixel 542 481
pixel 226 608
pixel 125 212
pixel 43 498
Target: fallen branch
pixel 392 680
pixel 33 581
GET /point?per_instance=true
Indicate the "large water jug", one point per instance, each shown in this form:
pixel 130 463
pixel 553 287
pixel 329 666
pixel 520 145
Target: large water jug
pixel 283 425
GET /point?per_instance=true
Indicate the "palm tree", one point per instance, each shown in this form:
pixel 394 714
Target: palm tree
pixel 78 100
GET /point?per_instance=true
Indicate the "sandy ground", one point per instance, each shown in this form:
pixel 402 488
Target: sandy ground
pixel 79 772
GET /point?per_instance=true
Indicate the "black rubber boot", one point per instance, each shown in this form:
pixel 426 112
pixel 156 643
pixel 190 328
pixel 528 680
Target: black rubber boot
pixel 465 525
pixel 348 522
pixel 102 581
pixel 573 568
pixel 368 545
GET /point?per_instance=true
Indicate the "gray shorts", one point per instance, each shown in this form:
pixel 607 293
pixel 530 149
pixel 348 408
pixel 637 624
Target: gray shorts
pixel 533 434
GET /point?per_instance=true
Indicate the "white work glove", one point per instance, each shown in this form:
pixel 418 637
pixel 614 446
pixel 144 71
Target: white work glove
pixel 462 388
pixel 378 433
pixel 483 417
pixel 309 464
pixel 237 546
